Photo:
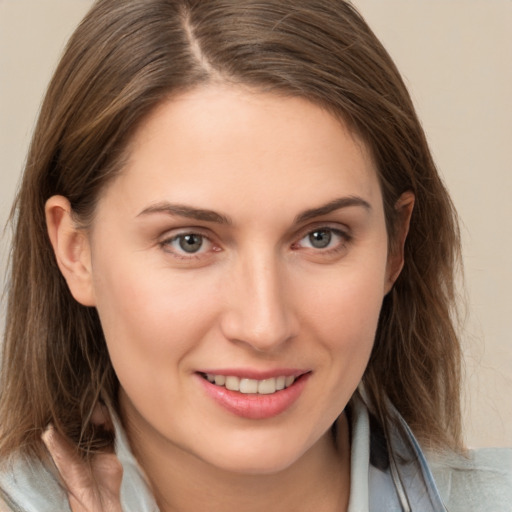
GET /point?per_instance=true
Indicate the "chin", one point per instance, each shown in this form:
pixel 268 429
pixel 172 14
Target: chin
pixel 263 463
pixel 253 456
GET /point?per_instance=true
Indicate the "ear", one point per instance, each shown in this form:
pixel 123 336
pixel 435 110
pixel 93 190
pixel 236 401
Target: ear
pixel 72 249
pixel 404 207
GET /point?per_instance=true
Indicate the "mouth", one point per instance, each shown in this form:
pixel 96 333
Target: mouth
pixel 248 386
pixel 253 398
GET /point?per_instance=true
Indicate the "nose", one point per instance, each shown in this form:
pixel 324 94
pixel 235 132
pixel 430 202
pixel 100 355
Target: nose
pixel 259 311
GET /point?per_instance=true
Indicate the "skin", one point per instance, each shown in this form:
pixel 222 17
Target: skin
pixel 258 294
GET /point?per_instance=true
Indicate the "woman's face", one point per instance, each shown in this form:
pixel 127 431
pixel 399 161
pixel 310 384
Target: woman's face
pixel 244 243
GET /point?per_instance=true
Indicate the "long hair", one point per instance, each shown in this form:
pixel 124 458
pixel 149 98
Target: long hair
pixel 125 59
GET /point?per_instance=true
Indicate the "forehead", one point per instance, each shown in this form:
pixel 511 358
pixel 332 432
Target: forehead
pixel 254 147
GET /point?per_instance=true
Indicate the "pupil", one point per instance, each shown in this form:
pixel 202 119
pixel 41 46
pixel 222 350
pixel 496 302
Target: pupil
pixel 191 243
pixel 320 239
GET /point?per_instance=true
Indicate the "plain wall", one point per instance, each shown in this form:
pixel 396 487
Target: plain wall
pixel 456 58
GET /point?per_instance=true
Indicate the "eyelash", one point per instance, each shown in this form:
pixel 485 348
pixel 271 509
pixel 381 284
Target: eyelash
pixel 167 244
pixel 344 239
pixel 343 236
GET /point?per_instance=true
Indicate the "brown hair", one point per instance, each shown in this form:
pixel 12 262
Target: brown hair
pixel 124 59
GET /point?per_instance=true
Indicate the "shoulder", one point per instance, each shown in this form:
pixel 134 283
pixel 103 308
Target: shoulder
pixel 480 480
pixel 26 485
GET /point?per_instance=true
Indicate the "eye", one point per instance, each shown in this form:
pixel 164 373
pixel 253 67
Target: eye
pixel 187 244
pixel 320 239
pixel 323 238
pixel 190 243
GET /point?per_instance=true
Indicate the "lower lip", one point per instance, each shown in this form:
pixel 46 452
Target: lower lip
pixel 255 406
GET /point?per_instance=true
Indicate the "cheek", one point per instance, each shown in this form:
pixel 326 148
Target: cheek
pixel 339 321
pixel 343 315
pixel 151 324
pixel 347 302
pixel 149 315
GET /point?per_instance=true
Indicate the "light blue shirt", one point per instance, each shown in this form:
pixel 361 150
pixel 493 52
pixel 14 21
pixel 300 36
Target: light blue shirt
pixel 388 473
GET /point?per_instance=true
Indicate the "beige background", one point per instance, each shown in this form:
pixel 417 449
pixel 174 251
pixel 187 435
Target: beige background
pixel 456 58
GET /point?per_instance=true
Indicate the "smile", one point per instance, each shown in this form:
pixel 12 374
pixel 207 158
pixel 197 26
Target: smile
pixel 251 386
pixel 253 398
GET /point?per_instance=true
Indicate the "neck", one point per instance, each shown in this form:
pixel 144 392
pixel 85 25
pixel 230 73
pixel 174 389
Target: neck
pixel 319 480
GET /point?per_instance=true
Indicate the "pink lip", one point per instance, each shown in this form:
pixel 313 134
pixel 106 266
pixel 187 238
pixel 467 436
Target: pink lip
pixel 255 406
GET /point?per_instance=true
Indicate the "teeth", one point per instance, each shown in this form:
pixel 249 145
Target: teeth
pixel 267 386
pixel 251 386
pixel 248 386
pixel 220 380
pixel 232 383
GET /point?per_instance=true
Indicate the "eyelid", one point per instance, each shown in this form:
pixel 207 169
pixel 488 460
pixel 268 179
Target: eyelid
pixel 317 226
pixel 172 235
pixel 342 232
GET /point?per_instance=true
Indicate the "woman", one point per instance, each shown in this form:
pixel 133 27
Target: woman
pixel 233 275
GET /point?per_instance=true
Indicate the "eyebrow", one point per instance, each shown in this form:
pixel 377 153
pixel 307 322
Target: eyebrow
pixel 186 211
pixel 331 206
pixel 212 216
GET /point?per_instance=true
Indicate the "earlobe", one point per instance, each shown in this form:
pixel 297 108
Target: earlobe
pixel 72 249
pixel 404 208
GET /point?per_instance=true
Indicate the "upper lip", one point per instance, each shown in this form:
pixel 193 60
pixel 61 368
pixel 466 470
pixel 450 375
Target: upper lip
pixel 250 373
